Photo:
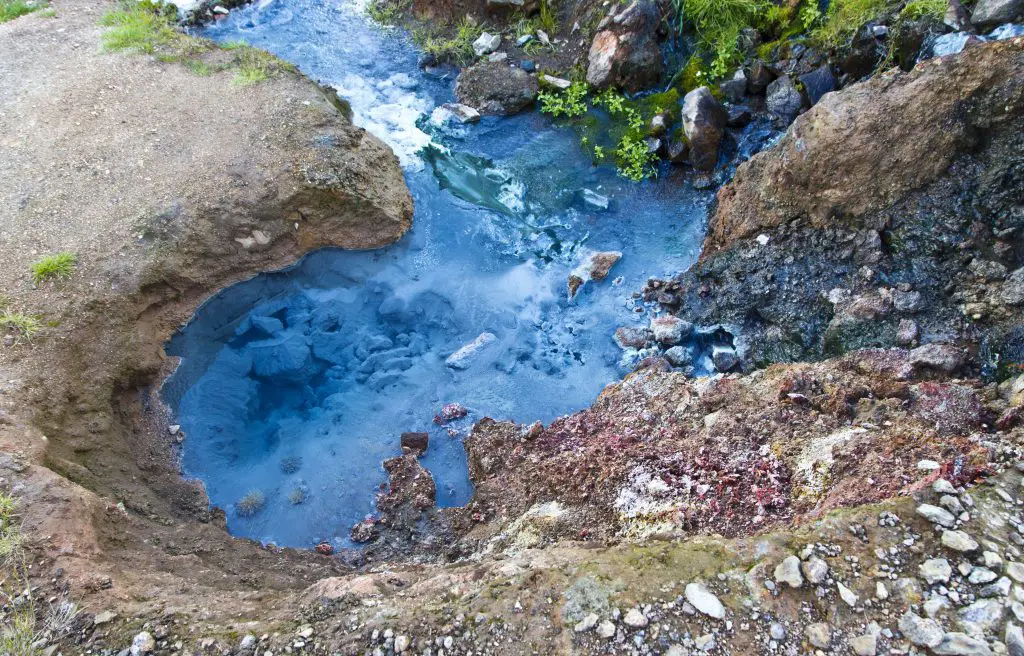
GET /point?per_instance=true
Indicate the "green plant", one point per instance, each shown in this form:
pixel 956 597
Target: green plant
pixel 141 27
pixel 718 24
pixel 635 159
pixel 457 48
pixel 844 18
pixel 569 103
pixel 548 16
pixel 10 530
pixel 255 66
pixel 918 9
pixel 11 9
pixel 251 503
pixel 54 267
pixel 387 12
pixel 22 326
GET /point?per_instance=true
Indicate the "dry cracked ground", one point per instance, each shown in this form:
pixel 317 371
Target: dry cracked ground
pixel 866 501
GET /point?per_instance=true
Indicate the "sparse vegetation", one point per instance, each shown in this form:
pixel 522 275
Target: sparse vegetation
pixel 251 503
pixel 54 267
pixel 255 66
pixel 843 18
pixel 22 326
pixel 144 27
pixel 456 48
pixel 297 496
pixel 548 16
pixel 387 12
pixel 11 9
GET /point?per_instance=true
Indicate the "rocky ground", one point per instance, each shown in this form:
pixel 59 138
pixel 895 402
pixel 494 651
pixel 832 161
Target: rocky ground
pixel 851 482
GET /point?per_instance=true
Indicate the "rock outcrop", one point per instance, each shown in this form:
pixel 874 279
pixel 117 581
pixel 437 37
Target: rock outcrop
pixel 862 150
pixel 625 51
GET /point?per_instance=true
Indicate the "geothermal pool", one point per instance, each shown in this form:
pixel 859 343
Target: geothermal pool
pixel 296 384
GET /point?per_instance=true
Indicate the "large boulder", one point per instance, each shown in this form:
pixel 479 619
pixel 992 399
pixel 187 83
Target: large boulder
pixel 496 88
pixel 989 13
pixel 908 129
pixel 704 121
pixel 625 50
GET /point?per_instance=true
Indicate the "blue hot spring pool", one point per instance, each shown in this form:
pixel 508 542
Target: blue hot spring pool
pixel 297 384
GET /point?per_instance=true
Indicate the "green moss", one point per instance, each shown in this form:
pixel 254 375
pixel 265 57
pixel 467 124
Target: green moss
pixel 53 267
pixel 11 9
pixel 918 9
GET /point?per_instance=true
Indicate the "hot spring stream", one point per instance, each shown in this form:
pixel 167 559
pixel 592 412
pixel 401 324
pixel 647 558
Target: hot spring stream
pixel 298 383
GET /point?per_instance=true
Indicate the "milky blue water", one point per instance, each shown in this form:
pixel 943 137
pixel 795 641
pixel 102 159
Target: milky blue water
pixel 297 384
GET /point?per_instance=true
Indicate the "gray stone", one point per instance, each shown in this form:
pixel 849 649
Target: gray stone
pixel 952 504
pixel 818 82
pixel 486 43
pixel 864 645
pixel 942 486
pixel 1015 571
pixel 461 113
pixel 920 631
pixel 606 629
pixel 635 618
pixel 847 595
pixel 989 13
pixel 788 572
pixel 941 357
pixel 670 330
pixel 704 121
pixel 819 634
pixel 678 356
pixel 783 99
pixel 959 541
pixel 1014 639
pixel 704 600
pixel 981 575
pixel 142 643
pixel 935 570
pixel 587 623
pixel 961 644
pixel 724 358
pixel 705 642
pixel 936 515
pixel 735 87
pixel 777 631
pixel 1013 287
pixel 982 616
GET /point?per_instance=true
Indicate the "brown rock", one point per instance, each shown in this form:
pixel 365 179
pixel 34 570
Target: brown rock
pixel 415 442
pixel 830 168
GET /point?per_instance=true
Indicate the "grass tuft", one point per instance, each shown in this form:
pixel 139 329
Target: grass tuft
pixel 387 12
pixel 251 503
pixel 141 27
pixel 844 18
pixel 457 48
pixel 54 267
pixel 297 496
pixel 11 9
pixel 255 66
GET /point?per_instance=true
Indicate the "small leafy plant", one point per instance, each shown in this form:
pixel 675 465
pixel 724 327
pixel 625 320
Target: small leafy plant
pixel 566 104
pixel 251 503
pixel 297 496
pixel 54 267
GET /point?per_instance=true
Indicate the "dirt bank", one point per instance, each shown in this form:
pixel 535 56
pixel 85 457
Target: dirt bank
pixel 167 186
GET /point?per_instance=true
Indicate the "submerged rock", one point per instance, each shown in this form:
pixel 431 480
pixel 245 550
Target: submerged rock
pixel 467 354
pixel 415 442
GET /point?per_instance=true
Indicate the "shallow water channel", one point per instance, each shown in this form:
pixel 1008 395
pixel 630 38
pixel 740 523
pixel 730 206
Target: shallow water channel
pixel 297 384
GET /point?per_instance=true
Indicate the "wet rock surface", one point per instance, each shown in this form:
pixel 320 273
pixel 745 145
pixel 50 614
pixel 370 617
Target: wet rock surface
pixel 496 88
